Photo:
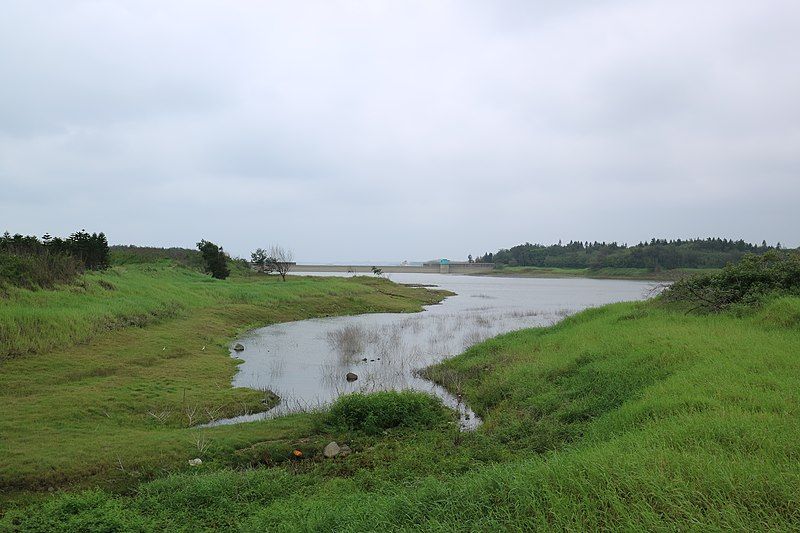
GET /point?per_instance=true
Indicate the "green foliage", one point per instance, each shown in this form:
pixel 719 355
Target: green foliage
pixel 26 261
pixel 379 411
pixel 91 249
pixel 652 420
pixel 100 382
pixel 135 255
pixel 215 259
pixel 781 312
pixel 746 283
pixel 87 511
pixel 655 255
pixel 38 270
pixel 262 260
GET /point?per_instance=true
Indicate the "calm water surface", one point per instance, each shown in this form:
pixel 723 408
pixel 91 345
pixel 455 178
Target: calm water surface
pixel 305 362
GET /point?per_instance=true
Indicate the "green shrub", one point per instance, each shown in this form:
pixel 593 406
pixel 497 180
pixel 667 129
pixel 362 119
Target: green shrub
pixel 373 413
pixel 38 270
pixel 215 259
pixel 134 255
pixel 746 283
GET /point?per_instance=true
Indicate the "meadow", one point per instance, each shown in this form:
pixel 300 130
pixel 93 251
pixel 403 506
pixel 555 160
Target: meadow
pixel 104 381
pixel 630 416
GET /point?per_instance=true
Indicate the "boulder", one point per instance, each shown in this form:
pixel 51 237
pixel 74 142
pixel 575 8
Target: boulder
pixel 331 450
pixel 344 450
pixel 195 462
pixel 351 377
pixel 238 347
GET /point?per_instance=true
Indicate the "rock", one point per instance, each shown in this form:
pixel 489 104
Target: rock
pixel 351 377
pixel 344 450
pixel 195 462
pixel 238 347
pixel 331 450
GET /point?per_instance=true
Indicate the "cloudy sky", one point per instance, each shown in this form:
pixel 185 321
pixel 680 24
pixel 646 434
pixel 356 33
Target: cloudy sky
pixel 400 130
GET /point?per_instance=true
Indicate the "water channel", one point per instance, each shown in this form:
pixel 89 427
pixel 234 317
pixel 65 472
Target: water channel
pixel 306 362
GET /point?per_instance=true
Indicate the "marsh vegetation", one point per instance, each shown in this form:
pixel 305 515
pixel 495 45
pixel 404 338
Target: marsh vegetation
pixel 639 415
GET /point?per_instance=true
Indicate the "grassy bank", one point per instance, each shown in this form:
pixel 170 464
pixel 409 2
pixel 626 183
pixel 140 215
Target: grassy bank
pixel 644 274
pixel 628 416
pixel 103 382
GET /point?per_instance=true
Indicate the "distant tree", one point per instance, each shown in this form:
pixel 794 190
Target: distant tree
pixel 262 260
pixel 653 254
pixel 377 271
pixel 469 259
pixel 215 259
pixel 281 259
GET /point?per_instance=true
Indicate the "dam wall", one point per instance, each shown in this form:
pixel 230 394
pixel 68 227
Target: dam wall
pixel 447 268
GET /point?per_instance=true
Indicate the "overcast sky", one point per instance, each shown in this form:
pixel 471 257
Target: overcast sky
pixel 400 130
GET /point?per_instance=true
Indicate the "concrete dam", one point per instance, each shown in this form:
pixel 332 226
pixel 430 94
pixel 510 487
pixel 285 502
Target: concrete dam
pixel 439 267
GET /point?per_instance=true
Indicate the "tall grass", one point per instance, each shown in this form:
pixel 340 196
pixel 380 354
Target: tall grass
pixel 111 377
pixel 37 270
pixel 625 417
pixel 135 296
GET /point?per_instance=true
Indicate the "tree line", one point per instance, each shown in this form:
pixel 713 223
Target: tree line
pixel 277 259
pixel 31 262
pixel 656 254
pixel 90 249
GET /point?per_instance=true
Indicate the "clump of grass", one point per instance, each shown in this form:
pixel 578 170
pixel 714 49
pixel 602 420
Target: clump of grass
pixel 379 411
pixel 782 312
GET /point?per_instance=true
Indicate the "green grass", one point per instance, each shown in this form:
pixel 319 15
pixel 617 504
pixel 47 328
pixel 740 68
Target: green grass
pixel 598 273
pixel 626 417
pixel 108 375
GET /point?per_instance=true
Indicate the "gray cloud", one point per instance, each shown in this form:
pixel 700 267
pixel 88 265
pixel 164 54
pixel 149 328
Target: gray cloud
pixel 392 131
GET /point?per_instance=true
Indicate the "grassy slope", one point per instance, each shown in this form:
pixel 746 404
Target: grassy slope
pixel 600 273
pixel 91 362
pixel 628 416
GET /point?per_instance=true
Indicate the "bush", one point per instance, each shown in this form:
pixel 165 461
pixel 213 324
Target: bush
pixel 90 249
pixel 38 270
pixel 746 283
pixel 133 255
pixel 373 413
pixel 215 259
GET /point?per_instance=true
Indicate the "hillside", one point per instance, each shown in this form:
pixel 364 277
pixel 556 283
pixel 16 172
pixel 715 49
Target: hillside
pixel 630 416
pixel 653 256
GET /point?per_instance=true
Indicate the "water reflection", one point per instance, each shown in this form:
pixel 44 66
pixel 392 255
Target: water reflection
pixel 306 362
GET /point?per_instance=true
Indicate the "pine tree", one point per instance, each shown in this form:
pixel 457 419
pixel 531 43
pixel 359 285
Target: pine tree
pixel 215 259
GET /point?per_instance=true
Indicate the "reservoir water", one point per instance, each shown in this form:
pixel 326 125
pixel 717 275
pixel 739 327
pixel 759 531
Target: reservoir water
pixel 306 362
